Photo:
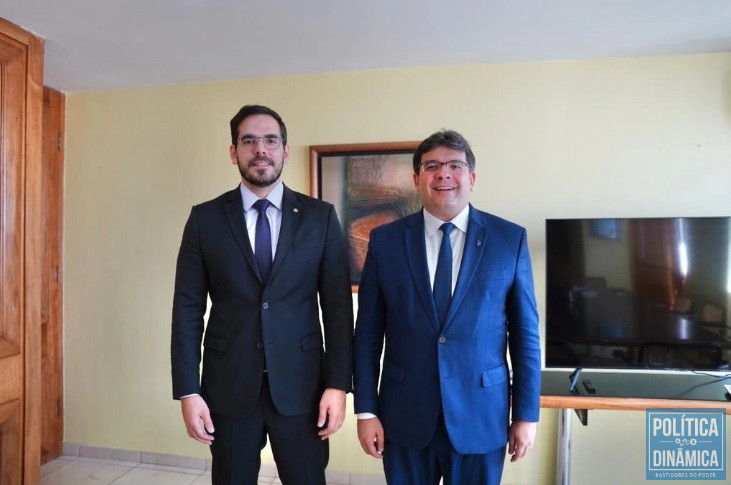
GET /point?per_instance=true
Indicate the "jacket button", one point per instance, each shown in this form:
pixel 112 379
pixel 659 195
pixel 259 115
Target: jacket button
pixel 442 339
pixel 259 345
pixel 265 305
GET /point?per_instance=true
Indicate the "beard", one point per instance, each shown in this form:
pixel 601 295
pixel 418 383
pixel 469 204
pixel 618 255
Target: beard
pixel 260 177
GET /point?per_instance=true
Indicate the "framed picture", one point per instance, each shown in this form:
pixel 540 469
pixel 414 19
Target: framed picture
pixel 369 184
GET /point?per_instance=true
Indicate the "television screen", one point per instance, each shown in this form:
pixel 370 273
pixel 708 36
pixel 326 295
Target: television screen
pixel 638 293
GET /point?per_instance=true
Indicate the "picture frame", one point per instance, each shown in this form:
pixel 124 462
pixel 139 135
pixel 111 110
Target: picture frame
pixel 369 184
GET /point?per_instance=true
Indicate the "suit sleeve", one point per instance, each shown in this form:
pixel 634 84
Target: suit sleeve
pixel 369 335
pixel 189 307
pixel 523 339
pixel 336 302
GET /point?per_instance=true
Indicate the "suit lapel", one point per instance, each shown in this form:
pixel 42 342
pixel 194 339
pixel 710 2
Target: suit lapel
pixel 474 247
pixel 416 255
pixel 290 216
pixel 237 222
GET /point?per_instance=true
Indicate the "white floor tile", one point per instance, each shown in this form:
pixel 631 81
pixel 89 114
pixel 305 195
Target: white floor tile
pixel 69 470
pixel 190 471
pixel 203 480
pixel 141 476
pixel 52 465
pixel 82 472
pixel 107 461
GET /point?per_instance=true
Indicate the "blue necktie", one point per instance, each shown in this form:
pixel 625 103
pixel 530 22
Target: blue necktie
pixel 442 290
pixel 263 240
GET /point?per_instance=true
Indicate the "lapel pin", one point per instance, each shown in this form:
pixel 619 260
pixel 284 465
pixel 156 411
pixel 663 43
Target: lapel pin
pixel 479 243
pixel 295 210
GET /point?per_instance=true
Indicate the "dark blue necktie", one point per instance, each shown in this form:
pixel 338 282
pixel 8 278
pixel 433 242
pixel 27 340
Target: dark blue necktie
pixel 263 240
pixel 443 277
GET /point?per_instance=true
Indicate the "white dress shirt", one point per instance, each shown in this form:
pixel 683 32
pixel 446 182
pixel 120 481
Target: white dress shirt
pixel 274 213
pixel 434 235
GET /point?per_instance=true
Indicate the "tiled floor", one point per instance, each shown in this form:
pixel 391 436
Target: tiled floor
pixel 71 470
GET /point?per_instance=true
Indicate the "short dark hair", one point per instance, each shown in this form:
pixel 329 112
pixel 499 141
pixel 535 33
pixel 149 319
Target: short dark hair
pixel 444 138
pixel 251 110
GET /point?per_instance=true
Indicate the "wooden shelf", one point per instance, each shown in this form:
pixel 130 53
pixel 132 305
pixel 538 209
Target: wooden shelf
pixel 626 403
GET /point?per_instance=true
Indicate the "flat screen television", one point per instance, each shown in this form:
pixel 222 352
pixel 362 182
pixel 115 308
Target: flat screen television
pixel 638 293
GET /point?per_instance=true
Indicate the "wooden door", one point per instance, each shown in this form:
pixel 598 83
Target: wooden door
pixel 21 55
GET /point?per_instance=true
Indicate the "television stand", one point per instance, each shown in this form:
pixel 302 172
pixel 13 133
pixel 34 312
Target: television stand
pixel 583 414
pixel 624 392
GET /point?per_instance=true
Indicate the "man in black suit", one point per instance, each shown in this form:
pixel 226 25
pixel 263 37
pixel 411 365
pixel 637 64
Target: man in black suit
pixel 262 253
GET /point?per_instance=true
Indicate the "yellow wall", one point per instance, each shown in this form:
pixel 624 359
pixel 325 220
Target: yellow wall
pixel 621 137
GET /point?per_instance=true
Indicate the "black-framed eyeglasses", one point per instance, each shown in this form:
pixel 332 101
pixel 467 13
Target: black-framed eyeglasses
pixel 271 142
pixel 433 166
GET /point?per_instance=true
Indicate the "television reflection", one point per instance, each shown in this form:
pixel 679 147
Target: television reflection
pixel 638 293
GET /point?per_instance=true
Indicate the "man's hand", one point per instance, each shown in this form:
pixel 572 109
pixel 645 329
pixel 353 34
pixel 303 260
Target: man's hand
pixel 332 412
pixel 197 418
pixel 370 435
pixel 521 436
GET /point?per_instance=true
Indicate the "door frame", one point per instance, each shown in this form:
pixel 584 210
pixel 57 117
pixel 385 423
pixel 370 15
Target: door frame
pixel 54 110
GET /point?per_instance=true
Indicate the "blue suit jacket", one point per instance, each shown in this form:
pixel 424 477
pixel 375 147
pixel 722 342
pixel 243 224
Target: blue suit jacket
pixel 463 368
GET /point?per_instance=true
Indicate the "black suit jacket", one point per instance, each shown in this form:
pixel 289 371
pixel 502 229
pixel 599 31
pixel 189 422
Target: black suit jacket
pixel 251 325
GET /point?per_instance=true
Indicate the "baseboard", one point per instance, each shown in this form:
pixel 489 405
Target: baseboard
pixel 202 464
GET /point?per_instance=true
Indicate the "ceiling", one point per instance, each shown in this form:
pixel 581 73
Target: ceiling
pixel 102 44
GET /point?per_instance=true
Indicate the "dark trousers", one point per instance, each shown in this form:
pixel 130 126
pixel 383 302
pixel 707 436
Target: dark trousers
pixel 301 456
pixel 410 466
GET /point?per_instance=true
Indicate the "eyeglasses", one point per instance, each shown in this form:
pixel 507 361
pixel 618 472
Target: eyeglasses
pixel 271 142
pixel 432 166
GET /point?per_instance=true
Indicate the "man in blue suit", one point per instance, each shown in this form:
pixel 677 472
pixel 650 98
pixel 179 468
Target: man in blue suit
pixel 263 254
pixel 450 289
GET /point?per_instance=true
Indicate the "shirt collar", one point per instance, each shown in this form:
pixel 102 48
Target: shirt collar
pixel 432 224
pixel 275 196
